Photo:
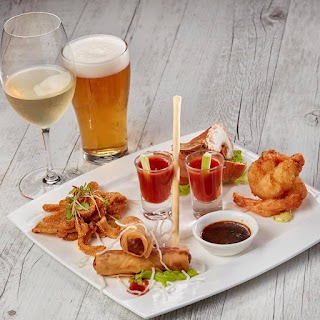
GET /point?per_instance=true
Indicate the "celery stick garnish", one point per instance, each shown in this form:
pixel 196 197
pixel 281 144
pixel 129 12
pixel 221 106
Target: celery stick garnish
pixel 145 162
pixel 206 161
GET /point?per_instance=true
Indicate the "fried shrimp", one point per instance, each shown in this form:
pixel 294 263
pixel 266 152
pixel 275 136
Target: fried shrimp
pixel 269 207
pixel 274 174
pixel 274 178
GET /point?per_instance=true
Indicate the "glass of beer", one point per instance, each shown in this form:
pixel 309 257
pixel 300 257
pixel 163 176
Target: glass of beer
pixel 101 95
pixel 36 83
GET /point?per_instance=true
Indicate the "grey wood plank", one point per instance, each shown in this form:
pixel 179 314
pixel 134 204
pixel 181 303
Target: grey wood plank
pixel 151 37
pixel 108 17
pixel 229 62
pixel 293 114
pixel 222 63
pixel 285 128
pixel 295 94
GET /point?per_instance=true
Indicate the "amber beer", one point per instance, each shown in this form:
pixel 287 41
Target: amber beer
pixel 101 95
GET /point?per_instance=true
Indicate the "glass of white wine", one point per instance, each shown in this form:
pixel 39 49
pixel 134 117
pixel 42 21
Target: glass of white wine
pixel 37 83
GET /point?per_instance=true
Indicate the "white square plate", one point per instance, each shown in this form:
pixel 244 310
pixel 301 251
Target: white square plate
pixel 220 274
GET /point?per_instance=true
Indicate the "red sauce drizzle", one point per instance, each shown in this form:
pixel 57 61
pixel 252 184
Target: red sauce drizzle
pixel 134 286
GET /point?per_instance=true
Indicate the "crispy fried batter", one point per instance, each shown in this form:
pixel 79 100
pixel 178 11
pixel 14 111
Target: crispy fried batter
pixel 52 207
pixel 274 178
pixel 55 217
pixel 60 221
pixel 271 207
pixel 85 232
pixel 71 236
pixel 130 220
pixel 274 174
pixel 93 185
pixel 86 223
pixel 87 213
pixel 108 228
pixel 117 204
pixel 54 223
pixel 43 227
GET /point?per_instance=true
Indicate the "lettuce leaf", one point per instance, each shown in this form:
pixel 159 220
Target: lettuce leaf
pixel 237 156
pixel 243 179
pixel 163 276
pixel 184 190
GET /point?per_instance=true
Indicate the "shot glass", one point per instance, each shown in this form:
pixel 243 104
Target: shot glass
pixel 205 185
pixel 155 184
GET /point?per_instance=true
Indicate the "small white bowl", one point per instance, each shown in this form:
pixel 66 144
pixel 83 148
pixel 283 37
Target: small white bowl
pixel 225 215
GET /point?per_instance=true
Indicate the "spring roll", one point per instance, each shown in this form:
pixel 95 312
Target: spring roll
pixel 136 241
pixel 118 262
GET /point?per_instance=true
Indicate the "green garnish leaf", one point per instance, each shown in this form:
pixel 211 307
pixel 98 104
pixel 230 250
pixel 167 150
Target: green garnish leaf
pixel 145 162
pixel 83 206
pixel 73 191
pixel 184 190
pixel 144 274
pixel 68 213
pixel 69 200
pixel 78 194
pixel 206 161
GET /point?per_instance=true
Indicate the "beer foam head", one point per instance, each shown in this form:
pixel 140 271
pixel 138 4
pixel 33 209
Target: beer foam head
pixel 98 55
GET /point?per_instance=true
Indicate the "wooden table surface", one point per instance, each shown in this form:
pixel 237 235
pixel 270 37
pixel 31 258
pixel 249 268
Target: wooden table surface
pixel 252 65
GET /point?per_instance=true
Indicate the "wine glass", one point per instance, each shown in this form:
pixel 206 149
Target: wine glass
pixel 37 82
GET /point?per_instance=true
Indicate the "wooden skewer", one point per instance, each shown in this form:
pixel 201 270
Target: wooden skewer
pixel 176 170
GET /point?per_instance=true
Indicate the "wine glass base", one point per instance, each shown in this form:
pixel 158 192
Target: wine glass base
pixel 32 185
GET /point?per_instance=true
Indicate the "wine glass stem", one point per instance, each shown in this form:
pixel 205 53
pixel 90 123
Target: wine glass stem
pixel 51 177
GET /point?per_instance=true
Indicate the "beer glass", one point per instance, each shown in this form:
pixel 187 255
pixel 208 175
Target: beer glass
pixel 36 83
pixel 101 95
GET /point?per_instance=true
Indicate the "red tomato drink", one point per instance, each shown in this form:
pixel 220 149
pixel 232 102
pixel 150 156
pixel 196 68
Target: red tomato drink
pixel 155 185
pixel 205 184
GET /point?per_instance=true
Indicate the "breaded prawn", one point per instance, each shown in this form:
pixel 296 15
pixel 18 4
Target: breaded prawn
pixel 274 174
pixel 271 207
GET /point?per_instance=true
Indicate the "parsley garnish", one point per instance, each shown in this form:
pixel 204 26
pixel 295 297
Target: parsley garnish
pixel 76 200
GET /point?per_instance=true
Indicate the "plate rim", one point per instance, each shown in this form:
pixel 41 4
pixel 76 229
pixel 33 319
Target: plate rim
pixel 308 241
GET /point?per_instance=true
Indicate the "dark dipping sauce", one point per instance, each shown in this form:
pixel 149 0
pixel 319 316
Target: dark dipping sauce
pixel 225 232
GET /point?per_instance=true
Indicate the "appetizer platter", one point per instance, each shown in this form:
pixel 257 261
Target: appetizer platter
pixel 116 181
